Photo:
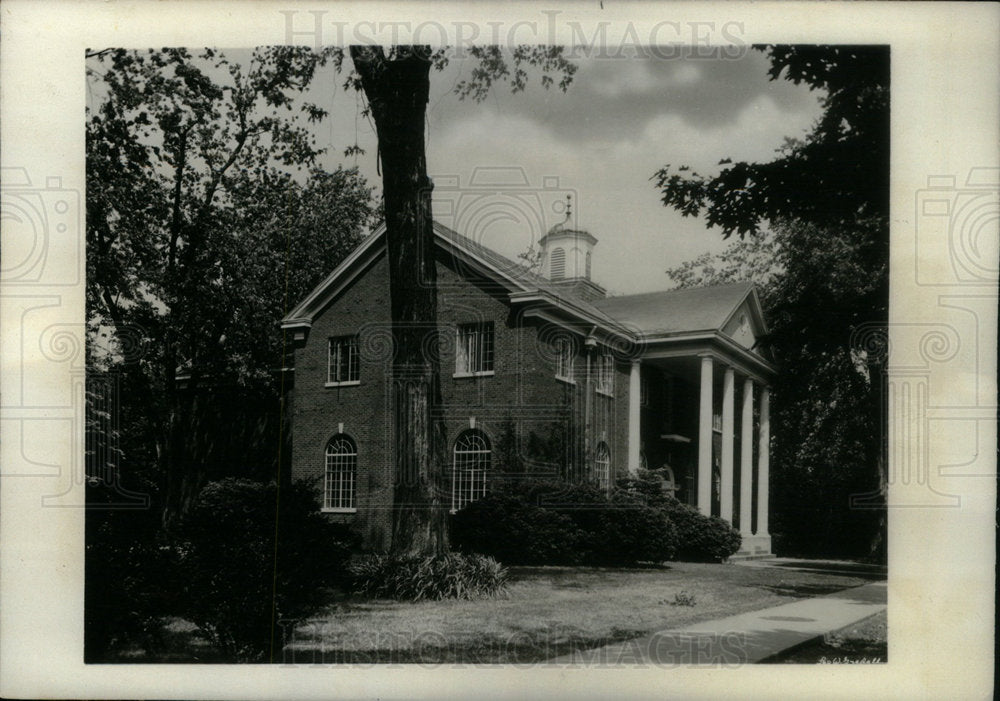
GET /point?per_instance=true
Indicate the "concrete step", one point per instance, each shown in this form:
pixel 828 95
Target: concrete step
pixel 743 556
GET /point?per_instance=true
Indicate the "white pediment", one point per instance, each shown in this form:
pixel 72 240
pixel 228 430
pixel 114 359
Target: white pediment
pixel 743 325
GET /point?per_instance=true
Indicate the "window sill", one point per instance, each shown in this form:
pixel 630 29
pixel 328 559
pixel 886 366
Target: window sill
pixel 352 383
pixel 567 380
pixel 605 392
pixel 485 373
pixel 339 511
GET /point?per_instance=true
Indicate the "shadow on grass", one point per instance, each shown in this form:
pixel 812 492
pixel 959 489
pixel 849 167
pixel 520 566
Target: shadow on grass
pixel 860 570
pixel 801 591
pixel 517 650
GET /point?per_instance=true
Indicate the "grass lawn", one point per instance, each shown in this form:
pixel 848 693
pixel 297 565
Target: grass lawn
pixel 549 611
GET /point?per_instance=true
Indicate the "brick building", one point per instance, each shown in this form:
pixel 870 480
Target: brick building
pixel 542 375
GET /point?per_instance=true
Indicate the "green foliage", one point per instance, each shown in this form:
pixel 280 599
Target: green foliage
pixel 448 576
pixel 254 557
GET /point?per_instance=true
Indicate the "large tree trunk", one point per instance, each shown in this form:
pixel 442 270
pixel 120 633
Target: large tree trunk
pixel 397 91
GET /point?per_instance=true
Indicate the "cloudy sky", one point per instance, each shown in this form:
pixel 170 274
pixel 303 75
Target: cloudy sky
pixel 502 167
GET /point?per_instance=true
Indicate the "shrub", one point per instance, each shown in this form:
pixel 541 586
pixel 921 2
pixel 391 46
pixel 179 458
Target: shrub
pixel 505 526
pixel 701 538
pixel 253 557
pixel 131 582
pixel 449 576
pixel 647 486
pixel 630 532
pixel 559 523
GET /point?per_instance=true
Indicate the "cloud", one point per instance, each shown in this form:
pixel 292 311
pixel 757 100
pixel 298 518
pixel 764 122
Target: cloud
pixel 615 99
pixel 621 121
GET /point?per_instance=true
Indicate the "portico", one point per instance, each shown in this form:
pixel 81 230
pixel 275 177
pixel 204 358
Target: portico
pixel 699 407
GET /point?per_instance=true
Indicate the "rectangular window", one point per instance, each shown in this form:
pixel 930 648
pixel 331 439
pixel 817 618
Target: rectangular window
pixel 344 362
pixel 474 349
pixel 565 359
pixel 606 374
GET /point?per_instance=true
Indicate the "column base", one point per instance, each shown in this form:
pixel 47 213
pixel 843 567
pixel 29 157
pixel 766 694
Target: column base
pixel 754 547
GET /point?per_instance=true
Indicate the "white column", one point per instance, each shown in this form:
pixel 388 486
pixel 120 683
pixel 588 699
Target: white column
pixel 728 417
pixel 763 456
pixel 705 438
pixel 634 418
pixel 746 458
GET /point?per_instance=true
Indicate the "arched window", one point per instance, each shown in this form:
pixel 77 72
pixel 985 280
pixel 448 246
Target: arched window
pixel 588 265
pixel 471 462
pixel 602 465
pixel 341 474
pixel 557 266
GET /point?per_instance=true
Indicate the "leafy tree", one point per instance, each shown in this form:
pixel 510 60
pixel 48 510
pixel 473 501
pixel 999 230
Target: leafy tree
pixel 202 198
pixel 825 201
pixel 396 85
pixel 750 259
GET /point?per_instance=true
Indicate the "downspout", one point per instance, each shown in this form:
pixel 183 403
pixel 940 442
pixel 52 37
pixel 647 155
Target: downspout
pixel 590 343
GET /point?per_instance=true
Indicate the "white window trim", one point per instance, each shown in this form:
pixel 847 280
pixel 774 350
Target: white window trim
pixel 569 379
pixel 329 351
pixel 353 481
pixel 602 467
pixel 606 364
pixel 460 349
pixel 456 495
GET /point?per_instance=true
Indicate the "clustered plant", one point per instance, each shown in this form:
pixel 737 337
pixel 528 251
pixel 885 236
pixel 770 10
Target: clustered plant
pixel 448 576
pixel 254 556
pixel 557 523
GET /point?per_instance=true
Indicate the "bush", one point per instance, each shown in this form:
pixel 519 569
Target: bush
pixel 701 538
pixel 630 532
pixel 507 527
pixel 449 576
pixel 131 582
pixel 254 557
pixel 559 523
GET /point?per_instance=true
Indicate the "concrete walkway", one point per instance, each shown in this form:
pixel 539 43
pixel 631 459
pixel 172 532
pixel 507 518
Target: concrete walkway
pixel 742 639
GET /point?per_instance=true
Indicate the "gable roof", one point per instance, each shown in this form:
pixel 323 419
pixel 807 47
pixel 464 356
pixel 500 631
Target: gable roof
pixel 636 317
pixel 518 278
pixel 686 310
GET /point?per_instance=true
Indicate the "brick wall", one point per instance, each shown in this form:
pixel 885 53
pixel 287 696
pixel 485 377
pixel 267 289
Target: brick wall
pixel 522 392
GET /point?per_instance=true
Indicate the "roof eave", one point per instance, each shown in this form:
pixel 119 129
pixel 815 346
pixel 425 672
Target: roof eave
pixel 567 306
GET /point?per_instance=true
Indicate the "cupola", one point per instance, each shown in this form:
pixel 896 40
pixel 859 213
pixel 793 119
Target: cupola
pixel 566 257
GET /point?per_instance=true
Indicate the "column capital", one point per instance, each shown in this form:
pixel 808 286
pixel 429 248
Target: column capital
pixel 636 362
